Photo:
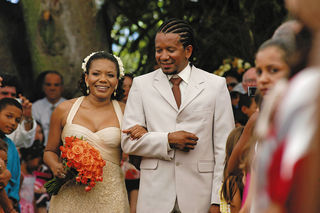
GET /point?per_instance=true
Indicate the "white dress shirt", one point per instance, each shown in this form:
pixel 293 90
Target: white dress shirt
pixel 22 138
pixel 41 112
pixel 185 75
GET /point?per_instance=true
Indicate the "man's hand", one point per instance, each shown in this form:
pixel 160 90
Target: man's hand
pixel 214 208
pixel 182 140
pixel 135 132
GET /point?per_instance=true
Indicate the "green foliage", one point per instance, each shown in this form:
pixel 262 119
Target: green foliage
pixel 224 29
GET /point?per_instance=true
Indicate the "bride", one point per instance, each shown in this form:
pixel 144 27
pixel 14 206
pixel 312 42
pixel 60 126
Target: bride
pixel 96 117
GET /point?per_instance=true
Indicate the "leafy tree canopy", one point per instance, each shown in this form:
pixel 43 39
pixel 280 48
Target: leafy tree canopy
pixel 231 28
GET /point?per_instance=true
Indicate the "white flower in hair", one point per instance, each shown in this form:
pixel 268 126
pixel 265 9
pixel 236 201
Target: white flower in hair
pixel 85 61
pixel 121 68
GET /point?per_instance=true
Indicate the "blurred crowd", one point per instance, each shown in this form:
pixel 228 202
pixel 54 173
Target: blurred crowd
pixel 271 157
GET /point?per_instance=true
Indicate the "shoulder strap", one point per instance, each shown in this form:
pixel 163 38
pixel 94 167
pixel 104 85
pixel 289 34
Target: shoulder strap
pixel 118 111
pixel 74 109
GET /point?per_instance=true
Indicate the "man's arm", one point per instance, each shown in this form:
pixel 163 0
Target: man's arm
pixel 151 144
pixel 222 126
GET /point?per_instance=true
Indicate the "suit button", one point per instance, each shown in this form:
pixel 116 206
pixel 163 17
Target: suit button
pixel 178 163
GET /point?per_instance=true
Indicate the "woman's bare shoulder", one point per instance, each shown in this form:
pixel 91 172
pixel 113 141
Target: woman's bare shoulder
pixel 66 105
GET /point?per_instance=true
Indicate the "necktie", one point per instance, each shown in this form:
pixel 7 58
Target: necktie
pixel 176 89
pixel 52 107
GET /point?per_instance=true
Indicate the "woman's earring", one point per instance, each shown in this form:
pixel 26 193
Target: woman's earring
pixel 115 91
pixel 88 91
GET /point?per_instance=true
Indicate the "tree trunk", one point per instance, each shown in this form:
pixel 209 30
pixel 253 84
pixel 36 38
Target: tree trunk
pixel 61 33
pixel 14 52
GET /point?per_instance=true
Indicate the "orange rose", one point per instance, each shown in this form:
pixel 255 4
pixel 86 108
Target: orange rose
pixel 87 188
pixel 77 149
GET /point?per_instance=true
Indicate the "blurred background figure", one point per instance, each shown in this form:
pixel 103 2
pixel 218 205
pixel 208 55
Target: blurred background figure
pixel 43 174
pixel 126 85
pixel 249 79
pixel 292 173
pixel 31 159
pixel 231 79
pixel 42 109
pixel 131 173
pixel 232 188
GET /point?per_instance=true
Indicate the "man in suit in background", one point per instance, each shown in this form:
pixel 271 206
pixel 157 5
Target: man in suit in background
pixel 188 115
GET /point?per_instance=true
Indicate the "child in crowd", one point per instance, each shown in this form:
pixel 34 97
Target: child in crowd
pixel 43 174
pixel 10 117
pixel 231 190
pixel 3 156
pixel 248 106
pixel 31 160
pixel 3 167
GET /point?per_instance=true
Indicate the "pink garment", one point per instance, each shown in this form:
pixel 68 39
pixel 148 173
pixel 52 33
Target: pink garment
pixel 246 189
pixel 27 193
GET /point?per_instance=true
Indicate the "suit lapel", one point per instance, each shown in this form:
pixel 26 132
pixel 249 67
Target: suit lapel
pixel 161 83
pixel 195 86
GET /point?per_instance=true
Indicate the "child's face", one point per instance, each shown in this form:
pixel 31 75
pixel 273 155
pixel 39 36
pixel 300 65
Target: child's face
pixel 3 156
pixel 10 117
pixel 39 134
pixel 33 164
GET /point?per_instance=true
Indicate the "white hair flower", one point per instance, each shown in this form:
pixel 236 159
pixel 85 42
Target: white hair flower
pixel 86 59
pixel 121 68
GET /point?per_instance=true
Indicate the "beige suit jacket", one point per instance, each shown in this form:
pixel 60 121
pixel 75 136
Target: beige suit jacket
pixel 193 178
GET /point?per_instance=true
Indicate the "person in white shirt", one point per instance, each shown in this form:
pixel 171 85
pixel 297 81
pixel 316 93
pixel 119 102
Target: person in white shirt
pixel 249 79
pixel 23 136
pixel 43 108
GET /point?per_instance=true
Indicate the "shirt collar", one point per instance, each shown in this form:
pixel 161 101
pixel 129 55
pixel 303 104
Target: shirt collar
pixel 184 74
pixel 51 104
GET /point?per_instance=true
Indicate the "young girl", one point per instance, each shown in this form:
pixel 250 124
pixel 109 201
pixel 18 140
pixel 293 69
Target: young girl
pixel 231 190
pixel 31 160
pixel 43 174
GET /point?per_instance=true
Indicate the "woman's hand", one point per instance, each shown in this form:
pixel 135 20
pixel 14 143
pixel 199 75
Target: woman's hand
pixel 135 132
pixel 58 170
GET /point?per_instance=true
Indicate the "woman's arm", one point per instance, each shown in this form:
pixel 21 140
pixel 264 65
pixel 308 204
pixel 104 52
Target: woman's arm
pixel 52 152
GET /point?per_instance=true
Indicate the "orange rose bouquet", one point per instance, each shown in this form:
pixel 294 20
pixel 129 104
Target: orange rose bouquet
pixel 83 164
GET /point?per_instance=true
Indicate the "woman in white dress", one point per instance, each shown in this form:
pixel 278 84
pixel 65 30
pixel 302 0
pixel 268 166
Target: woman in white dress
pixel 96 117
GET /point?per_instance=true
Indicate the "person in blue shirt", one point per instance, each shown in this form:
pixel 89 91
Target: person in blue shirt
pixel 10 117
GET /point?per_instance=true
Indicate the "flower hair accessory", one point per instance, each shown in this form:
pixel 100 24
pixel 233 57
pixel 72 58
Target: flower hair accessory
pixel 121 69
pixel 86 59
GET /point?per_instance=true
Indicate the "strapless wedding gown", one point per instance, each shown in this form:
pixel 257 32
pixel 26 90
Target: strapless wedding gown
pixel 107 196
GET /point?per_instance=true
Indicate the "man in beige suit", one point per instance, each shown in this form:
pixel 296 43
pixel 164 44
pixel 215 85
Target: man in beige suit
pixel 187 123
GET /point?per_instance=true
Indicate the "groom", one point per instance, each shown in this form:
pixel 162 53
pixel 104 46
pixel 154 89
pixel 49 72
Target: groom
pixel 188 115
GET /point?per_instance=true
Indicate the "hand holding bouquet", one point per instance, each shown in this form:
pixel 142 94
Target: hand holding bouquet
pixel 83 164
